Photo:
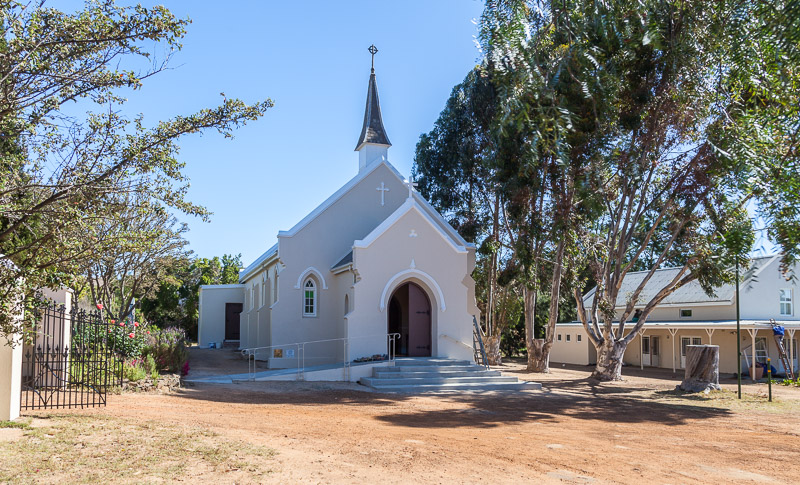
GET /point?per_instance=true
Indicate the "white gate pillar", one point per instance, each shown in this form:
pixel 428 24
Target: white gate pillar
pixel 10 378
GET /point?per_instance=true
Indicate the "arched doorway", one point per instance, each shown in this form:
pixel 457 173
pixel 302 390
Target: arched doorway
pixel 410 316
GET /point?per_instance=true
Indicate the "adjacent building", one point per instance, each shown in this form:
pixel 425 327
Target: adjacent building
pixel 690 317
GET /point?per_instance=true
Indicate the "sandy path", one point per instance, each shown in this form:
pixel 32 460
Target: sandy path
pixel 569 433
pixel 573 431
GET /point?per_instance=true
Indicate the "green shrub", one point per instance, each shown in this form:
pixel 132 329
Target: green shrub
pixel 134 371
pixel 149 364
pixel 167 348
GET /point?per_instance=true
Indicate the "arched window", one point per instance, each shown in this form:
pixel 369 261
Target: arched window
pixel 346 304
pixel 309 299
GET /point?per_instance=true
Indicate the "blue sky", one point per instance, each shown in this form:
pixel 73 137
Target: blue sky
pixel 311 59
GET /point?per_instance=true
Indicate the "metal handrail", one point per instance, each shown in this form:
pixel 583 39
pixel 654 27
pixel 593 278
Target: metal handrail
pixel 251 352
pixel 457 341
pixel 479 333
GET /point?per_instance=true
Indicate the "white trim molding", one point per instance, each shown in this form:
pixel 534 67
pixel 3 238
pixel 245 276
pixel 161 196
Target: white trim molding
pixel 221 287
pixel 306 272
pixel 401 277
pixel 408 206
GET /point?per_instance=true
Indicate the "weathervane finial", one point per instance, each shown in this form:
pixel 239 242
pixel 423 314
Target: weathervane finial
pixel 373 50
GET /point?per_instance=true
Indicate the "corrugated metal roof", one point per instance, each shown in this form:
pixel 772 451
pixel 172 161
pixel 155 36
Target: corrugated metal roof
pixel 700 324
pixel 687 294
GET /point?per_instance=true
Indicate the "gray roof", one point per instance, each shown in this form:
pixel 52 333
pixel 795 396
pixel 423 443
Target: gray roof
pixel 347 259
pixel 690 293
pixel 373 131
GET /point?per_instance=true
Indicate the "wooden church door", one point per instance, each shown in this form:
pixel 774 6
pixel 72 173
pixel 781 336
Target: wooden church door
pixel 232 314
pixel 419 322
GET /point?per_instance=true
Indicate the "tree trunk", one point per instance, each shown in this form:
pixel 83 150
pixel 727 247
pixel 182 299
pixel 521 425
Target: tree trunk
pixel 702 369
pixel 609 361
pixel 538 356
pixel 529 299
pixel 492 344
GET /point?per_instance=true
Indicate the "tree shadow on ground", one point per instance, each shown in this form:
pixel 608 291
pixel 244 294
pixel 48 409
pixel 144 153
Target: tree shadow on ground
pixel 575 399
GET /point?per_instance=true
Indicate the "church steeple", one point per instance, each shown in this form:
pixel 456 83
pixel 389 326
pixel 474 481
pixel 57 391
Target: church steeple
pixel 373 144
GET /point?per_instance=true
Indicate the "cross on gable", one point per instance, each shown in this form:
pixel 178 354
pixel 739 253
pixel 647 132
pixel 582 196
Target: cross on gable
pixel 410 184
pixel 383 189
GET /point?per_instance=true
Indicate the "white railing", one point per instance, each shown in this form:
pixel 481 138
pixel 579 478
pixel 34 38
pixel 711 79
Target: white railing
pixel 252 353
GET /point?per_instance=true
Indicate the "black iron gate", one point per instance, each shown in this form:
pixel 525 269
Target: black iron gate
pixel 72 360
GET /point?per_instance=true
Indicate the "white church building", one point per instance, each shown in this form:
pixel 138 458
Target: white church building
pixel 373 259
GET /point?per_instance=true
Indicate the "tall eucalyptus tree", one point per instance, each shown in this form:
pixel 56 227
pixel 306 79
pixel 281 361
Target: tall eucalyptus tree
pixel 689 113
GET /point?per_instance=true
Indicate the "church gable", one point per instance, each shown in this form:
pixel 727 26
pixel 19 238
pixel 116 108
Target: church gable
pixel 411 210
pixel 391 178
pixel 327 234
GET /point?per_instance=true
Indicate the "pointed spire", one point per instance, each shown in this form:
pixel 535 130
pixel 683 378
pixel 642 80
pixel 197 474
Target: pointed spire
pixel 373 132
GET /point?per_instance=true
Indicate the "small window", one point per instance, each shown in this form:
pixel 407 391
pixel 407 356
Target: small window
pixel 686 314
pixel 579 337
pixel 559 337
pixel 346 304
pixel 786 301
pixel 568 337
pixel 309 299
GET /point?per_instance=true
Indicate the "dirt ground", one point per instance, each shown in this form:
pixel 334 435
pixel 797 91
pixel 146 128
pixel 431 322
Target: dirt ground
pixel 573 431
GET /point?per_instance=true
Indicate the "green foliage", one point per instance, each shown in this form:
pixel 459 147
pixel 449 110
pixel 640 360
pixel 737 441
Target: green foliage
pixel 134 371
pixel 167 349
pixel 175 301
pixel 665 118
pixel 150 366
pixel 70 185
pixel 123 337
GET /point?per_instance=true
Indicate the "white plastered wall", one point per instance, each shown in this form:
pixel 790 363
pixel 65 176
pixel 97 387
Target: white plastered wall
pixel 312 250
pixel 572 351
pixel 413 250
pixel 211 321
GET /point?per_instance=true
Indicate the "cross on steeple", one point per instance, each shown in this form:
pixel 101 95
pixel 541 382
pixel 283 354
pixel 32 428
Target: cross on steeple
pixel 373 50
pixel 410 184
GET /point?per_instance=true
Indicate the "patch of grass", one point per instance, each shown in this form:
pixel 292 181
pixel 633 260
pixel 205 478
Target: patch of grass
pixel 729 400
pixel 15 424
pixel 91 448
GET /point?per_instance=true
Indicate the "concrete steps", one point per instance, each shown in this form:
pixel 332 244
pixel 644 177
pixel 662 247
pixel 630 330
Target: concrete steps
pixel 432 374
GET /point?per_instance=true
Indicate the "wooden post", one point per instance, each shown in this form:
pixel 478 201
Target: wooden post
pixel 791 349
pixel 641 350
pixel 673 332
pixel 753 332
pixel 702 369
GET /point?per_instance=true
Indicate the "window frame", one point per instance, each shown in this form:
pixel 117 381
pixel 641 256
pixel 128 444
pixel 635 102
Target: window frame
pixel 782 302
pixel 681 315
pixel 314 298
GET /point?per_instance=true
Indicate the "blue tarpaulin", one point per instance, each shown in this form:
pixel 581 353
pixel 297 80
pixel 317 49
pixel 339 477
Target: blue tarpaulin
pixel 778 330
